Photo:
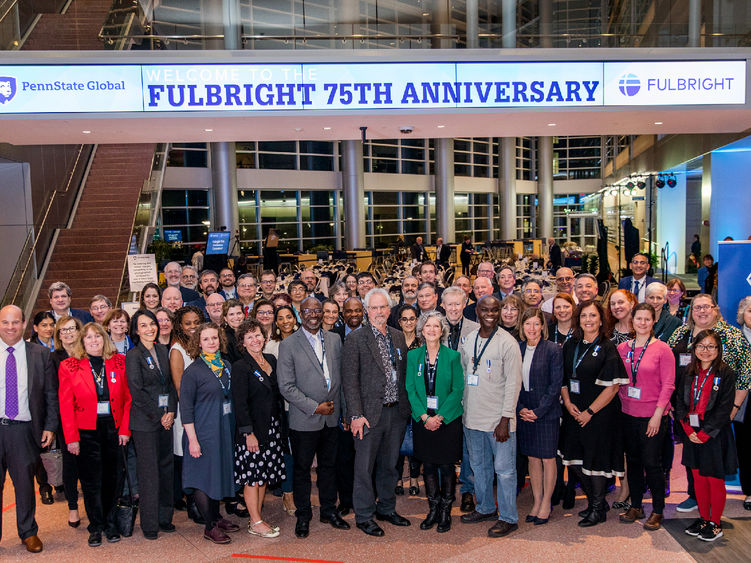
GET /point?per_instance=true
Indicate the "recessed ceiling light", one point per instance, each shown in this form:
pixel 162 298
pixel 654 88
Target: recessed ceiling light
pixel 551 124
pixel 327 128
pixel 208 130
pixel 86 132
pixel 658 122
pixel 440 126
pixel 298 129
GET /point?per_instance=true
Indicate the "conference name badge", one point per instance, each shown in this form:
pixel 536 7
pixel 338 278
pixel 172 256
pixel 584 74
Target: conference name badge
pixel 163 400
pixel 634 392
pixel 473 380
pixel 432 402
pixel 573 386
pixel 227 407
pixel 103 407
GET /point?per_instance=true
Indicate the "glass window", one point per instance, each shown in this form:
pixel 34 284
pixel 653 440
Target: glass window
pixel 277 161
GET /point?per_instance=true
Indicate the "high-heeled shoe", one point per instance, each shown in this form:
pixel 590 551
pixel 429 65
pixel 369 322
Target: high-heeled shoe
pixel 529 519
pixel 288 504
pixel 541 521
pixel 414 490
pixel 399 490
pixel 75 523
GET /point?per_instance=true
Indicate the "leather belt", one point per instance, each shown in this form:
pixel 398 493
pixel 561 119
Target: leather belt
pixel 392 404
pixel 9 421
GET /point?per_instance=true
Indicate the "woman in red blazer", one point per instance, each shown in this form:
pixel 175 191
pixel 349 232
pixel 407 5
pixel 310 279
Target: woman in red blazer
pixel 94 409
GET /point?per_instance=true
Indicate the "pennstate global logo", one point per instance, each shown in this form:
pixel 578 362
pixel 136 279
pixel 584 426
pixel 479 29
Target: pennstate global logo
pixel 629 85
pixel 7 88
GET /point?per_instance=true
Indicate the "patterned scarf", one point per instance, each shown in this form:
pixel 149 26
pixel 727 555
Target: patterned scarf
pixel 214 361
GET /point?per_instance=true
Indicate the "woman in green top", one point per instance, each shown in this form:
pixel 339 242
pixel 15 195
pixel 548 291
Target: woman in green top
pixel 435 386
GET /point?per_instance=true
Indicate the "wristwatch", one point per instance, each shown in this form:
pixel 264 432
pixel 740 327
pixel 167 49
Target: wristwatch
pixel 590 411
pixel 353 418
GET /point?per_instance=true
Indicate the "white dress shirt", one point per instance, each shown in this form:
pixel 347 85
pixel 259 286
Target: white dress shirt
pixel 19 352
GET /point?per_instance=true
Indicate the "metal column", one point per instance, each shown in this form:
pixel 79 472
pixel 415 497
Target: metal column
pixel 444 190
pixel 545 187
pixel 507 148
pixel 353 182
pixel 694 23
pixel 224 186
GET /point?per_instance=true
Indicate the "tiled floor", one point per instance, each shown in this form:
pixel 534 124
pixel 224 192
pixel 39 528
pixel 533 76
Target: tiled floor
pixel 559 540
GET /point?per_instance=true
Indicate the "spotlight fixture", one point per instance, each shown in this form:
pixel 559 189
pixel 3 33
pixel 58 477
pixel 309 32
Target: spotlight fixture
pixel 614 191
pixel 672 181
pixel 630 185
pixel 641 184
pixel 660 182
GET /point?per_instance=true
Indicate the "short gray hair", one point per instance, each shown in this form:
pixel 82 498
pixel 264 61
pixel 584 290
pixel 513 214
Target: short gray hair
pixel 100 298
pixel 453 290
pixel 59 286
pixel 742 306
pixel 377 291
pixel 655 286
pixel 175 263
pixel 424 318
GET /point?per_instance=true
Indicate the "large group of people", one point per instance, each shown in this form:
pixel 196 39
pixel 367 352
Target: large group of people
pixel 219 390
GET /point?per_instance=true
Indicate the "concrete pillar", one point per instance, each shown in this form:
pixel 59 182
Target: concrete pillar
pixel 444 190
pixel 439 24
pixel 353 182
pixel 473 25
pixel 509 24
pixel 545 187
pixel 546 24
pixel 694 23
pixel 224 186
pixel 507 181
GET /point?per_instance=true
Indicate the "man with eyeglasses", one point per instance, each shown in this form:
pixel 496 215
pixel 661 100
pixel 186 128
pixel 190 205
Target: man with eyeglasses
pixel 564 282
pixel 173 277
pixel 189 278
pixel 486 270
pixel 227 284
pixel 482 287
pixel 506 282
pixel 99 306
pixel 374 361
pixel 409 297
pixel 268 284
pixel 214 303
pixel 365 282
pixel 310 279
pixel 639 280
pixel 427 299
pixel 308 372
pixel 246 292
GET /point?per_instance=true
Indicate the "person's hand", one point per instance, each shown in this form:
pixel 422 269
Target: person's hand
pixel 528 415
pixel 432 423
pixel 195 449
pixel 345 426
pixel 325 408
pixel 695 438
pixel 47 438
pixel 501 432
pixel 251 442
pixel 357 426
pixel 573 410
pixel 583 418
pixel 74 448
pixel 123 440
pixel 167 420
pixel 654 425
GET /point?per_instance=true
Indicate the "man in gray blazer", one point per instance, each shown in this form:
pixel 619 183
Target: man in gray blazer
pixel 308 371
pixel 374 361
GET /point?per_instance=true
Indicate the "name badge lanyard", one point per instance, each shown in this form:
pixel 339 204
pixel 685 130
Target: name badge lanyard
pixel 568 334
pixel 99 380
pixel 635 367
pixel 697 391
pixel 431 372
pixel 226 390
pixel 578 359
pixel 392 357
pixel 476 359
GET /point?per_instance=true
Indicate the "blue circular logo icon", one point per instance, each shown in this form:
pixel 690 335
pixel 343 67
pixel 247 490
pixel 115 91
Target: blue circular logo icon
pixel 629 85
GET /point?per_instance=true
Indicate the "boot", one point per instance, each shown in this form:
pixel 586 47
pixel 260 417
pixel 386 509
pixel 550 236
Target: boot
pixel 431 489
pixel 598 515
pixel 193 512
pixel 448 486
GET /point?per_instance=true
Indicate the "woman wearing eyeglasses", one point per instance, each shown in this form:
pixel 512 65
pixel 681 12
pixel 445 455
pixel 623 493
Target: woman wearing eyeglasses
pixel 407 317
pixel 704 401
pixel 511 308
pixel 704 314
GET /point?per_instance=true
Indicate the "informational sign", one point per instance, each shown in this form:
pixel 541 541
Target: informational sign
pixel 173 235
pixel 734 276
pixel 218 242
pixel 371 86
pixel 141 270
pixel 130 307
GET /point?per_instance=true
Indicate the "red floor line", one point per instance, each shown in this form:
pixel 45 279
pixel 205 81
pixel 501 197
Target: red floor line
pixel 274 558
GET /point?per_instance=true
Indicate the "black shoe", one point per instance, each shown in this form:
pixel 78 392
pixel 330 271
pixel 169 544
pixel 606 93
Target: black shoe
pixel 343 510
pixel 371 528
pixel 46 494
pixel 234 508
pixel 529 519
pixel 302 528
pixel 95 539
pixel 399 490
pixel 336 521
pixel 433 516
pixel 74 524
pixel 474 517
pixel 394 519
pixel 151 535
pixel 502 528
pixel 593 518
pixel 468 503
pixel 586 512
pixel 169 528
pixel 747 504
pixel 696 527
pixel 194 514
pixel 180 505
pixel 113 536
pixel 444 522
pixel 710 532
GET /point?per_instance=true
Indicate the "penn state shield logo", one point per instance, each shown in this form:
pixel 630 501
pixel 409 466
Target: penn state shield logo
pixel 7 88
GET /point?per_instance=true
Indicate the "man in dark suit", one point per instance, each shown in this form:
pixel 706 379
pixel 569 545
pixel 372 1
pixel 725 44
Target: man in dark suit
pixel 639 280
pixel 172 275
pixel 227 281
pixel 60 295
pixel 409 297
pixel 418 251
pixel 374 360
pixel 308 371
pixel 554 255
pixel 442 253
pixel 28 417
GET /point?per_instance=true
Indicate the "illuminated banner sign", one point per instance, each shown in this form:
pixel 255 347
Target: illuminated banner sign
pixel 366 86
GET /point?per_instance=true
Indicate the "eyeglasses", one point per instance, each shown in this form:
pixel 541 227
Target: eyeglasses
pixel 268 282
pixel 190 277
pixel 639 262
pixel 706 347
pixel 313 311
pixel 364 282
pixel 69 329
pixel 98 308
pixel 246 285
pixel 407 319
pixel 532 291
pixel 565 279
pixel 703 307
pixel 264 313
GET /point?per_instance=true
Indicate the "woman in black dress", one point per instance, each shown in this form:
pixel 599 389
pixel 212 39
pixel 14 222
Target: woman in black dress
pixel 435 386
pixel 593 372
pixel 407 318
pixel 209 423
pixel 259 460
pixel 539 410
pixel 232 316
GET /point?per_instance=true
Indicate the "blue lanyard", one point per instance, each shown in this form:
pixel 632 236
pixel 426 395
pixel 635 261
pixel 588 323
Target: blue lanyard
pixel 431 371
pixel 568 335
pixel 635 368
pixel 476 358
pixel 698 391
pixel 578 359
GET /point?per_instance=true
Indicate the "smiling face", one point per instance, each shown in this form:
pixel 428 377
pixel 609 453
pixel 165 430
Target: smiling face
pixel 488 312
pixel 93 343
pixel 675 293
pixel 254 341
pixel 532 328
pixel 454 306
pixel 408 321
pixel 12 324
pixel 639 266
pixel 564 280
pixel 703 313
pixel 165 324
pixel 297 292
pixel 265 315
pixel 747 316
pixel 432 330
pixel 482 287
pixel 286 322
pixel 532 294
pixel 45 329
pixel 190 322
pixel 147 329
pixel 585 289
pixel 234 317
pixel 209 341
pixel 118 327
pixel 151 298
pixel 353 313
pixel 707 350
pixel 60 301
pixel 309 279
pixel 172 299
pixel 463 283
pixel 657 299
pixel 378 310
pixel 99 310
pixel 268 284
pixel 409 289
pixel 562 310
pixel 427 273
pixel 69 333
pixel 427 299
pixel 509 314
pixel 330 314
pixel 246 290
pixel 214 303
pixel 590 322
pixel 506 280
pixel 643 321
pixel 172 273
pixel 620 306
pixel 227 278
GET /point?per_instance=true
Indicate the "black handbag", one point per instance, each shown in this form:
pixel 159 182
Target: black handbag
pixel 125 509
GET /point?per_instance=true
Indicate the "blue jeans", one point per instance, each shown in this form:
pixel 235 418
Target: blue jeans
pixel 465 472
pixel 486 455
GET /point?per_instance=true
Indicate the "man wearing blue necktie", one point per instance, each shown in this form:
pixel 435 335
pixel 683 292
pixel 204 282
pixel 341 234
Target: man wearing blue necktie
pixel 28 416
pixel 639 280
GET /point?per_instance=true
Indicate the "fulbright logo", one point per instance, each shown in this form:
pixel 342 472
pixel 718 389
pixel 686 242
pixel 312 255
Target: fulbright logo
pixel 629 85
pixel 7 88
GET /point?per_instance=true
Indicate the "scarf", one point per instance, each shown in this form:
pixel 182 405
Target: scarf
pixel 214 361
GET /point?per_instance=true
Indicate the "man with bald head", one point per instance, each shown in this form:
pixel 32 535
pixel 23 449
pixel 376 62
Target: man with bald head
pixel 29 417
pixel 481 287
pixel 585 287
pixel 564 281
pixel 173 274
pixel 172 299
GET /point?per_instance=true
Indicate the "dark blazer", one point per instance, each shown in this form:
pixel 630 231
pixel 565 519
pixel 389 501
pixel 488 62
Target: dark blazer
pixel 80 314
pixel 444 256
pixel 234 349
pixel 146 385
pixel 363 378
pixel 42 389
pixel 556 257
pixel 470 312
pixel 256 397
pixel 627 282
pixel 419 253
pixel 465 255
pixel 666 324
pixel 545 380
pixel 188 294
pixel 225 295
pixel 717 414
pixel 449 383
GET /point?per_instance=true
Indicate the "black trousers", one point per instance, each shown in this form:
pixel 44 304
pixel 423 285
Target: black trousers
pixel 743 447
pixel 644 456
pixel 98 468
pixel 70 478
pixel 155 477
pixel 177 477
pixel 668 445
pixel 41 475
pixel 345 466
pixel 323 445
pixel 18 455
